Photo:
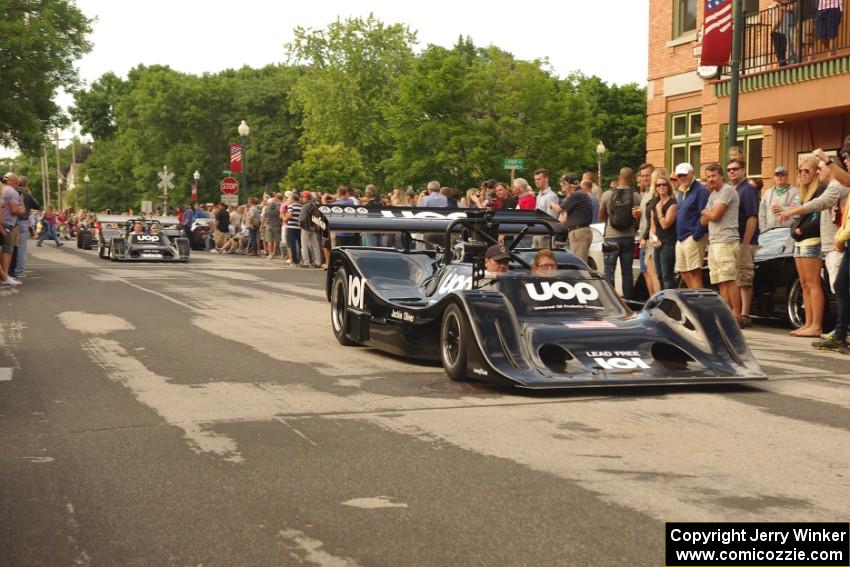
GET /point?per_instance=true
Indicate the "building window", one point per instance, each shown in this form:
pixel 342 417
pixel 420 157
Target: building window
pixel 684 17
pixel 751 141
pixel 685 138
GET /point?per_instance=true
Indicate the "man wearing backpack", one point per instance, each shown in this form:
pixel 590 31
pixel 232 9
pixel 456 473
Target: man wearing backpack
pixel 616 210
pixel 311 250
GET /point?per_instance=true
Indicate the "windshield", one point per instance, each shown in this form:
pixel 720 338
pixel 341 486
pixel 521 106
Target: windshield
pixel 561 293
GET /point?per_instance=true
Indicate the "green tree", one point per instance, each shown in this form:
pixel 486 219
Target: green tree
pixel 351 75
pixel 94 108
pixel 325 167
pixel 618 115
pixel 41 41
pixel 158 116
pixel 462 111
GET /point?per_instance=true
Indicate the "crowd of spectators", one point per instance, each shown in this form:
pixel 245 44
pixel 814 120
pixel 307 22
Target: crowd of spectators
pixel 676 219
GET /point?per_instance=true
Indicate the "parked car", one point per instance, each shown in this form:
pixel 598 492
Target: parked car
pixel 776 289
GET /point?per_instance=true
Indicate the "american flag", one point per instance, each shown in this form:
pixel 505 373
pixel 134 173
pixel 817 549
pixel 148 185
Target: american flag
pixel 717 33
pixel 235 158
pixel 194 190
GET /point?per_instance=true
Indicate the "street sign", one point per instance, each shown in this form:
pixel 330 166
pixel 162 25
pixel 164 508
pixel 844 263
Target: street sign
pixel 229 186
pixel 165 180
pixel 147 207
pixel 230 200
pixel 513 164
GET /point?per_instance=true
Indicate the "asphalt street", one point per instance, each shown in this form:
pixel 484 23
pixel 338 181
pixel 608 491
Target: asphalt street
pixel 203 414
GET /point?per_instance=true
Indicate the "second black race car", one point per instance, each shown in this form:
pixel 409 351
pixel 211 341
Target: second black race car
pixel 134 239
pixel 564 328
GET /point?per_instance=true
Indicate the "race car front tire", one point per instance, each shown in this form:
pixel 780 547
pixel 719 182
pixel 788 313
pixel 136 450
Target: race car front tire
pixel 339 307
pixel 455 337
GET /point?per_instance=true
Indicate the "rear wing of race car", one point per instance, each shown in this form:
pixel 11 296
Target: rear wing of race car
pixel 429 220
pixel 123 219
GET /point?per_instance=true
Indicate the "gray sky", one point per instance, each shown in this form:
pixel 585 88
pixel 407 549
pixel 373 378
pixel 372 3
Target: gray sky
pixel 607 39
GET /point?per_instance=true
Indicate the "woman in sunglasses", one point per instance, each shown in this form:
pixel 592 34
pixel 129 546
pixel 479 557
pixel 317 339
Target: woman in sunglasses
pixel 662 236
pixel 806 232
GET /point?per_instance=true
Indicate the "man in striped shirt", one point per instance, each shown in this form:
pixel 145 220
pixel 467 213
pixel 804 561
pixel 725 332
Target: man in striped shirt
pixel 291 214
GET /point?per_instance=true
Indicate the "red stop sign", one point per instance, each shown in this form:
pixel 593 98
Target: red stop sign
pixel 229 186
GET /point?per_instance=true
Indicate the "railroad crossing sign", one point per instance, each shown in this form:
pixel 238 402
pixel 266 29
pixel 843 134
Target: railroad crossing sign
pixel 165 179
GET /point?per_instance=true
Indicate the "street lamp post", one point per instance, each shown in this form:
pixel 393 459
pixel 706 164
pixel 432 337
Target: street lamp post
pixel 244 130
pixel 600 153
pixel 86 180
pixel 196 176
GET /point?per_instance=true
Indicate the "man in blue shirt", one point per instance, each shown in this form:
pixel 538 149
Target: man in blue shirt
pixel 434 198
pixel 748 231
pixel 691 236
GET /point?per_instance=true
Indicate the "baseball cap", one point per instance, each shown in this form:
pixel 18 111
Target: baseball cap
pixel 684 169
pixel 306 194
pixel 571 178
pixel 780 171
pixel 288 194
pixel 497 252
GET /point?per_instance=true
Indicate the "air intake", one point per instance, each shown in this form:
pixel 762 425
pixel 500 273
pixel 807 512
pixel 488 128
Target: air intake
pixel 554 357
pixel 670 356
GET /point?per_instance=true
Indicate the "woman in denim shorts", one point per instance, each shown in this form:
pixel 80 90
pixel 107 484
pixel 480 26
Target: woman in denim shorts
pixel 807 252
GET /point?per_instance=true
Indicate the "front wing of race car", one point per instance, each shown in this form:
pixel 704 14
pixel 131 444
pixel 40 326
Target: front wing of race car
pixel 680 337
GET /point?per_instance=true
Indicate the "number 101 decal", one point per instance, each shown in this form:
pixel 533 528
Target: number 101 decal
pixel 618 360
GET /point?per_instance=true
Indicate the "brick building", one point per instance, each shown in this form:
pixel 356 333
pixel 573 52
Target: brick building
pixel 787 106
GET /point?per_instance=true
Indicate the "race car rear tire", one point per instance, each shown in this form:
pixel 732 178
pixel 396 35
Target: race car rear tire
pixel 101 252
pixel 455 341
pixel 339 307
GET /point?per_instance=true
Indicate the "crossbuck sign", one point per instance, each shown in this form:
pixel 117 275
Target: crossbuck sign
pixel 165 179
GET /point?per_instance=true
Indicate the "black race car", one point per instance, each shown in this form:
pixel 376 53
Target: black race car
pixel 154 239
pixel 567 328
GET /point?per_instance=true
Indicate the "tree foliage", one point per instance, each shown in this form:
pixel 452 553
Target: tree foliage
pixel 462 111
pixel 325 167
pixel 41 39
pixel 618 119
pixel 351 75
pixel 353 105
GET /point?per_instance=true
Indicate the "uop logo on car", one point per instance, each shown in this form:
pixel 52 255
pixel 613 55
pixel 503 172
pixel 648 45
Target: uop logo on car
pixel 356 289
pixel 422 215
pixel 455 282
pixel 581 291
pixel 147 237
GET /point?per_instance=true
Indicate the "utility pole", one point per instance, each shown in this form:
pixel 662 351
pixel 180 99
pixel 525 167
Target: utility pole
pixel 737 48
pixel 58 175
pixel 45 176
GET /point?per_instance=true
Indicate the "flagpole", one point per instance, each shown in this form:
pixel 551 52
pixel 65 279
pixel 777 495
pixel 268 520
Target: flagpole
pixel 737 45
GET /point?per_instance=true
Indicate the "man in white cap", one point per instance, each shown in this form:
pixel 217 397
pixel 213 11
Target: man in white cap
pixel 691 236
pixel 776 199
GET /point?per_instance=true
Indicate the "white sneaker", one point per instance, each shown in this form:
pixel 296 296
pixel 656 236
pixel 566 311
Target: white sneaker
pixel 10 281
